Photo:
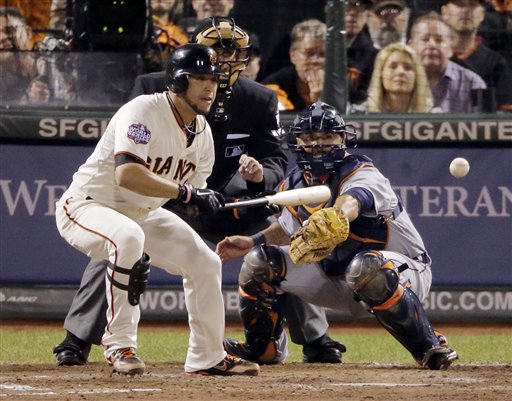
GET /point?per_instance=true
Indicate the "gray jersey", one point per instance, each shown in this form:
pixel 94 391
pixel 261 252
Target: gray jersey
pixel 403 236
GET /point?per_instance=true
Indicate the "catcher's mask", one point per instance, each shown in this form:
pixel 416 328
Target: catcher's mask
pixel 190 59
pixel 229 41
pixel 320 159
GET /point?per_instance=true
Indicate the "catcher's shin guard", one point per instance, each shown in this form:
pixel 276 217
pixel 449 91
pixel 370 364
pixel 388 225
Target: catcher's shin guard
pixel 261 309
pixel 375 280
pixel 263 325
pixel 138 278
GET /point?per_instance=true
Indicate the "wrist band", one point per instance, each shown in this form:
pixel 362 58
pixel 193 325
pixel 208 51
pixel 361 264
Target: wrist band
pixel 185 193
pixel 258 238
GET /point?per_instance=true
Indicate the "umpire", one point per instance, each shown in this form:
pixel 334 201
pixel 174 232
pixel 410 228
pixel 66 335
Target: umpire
pixel 248 161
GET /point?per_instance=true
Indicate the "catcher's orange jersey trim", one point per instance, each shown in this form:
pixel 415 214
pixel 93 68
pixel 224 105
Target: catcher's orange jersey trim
pixel 364 165
pixel 353 236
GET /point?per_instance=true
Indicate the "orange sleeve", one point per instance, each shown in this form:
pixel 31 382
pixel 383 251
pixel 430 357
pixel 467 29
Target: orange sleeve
pixel 282 97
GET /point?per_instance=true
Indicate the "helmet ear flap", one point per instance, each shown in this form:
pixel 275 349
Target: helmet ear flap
pixel 179 83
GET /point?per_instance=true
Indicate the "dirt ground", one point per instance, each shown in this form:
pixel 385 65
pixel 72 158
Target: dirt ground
pixel 291 381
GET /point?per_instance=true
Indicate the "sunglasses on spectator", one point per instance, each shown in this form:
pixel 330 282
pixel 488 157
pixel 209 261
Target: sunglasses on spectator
pixel 388 12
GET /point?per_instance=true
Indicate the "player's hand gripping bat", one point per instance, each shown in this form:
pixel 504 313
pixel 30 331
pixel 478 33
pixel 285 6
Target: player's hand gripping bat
pixel 293 197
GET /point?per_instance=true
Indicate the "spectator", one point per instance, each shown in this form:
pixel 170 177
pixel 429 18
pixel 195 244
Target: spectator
pixel 36 13
pixel 168 33
pixel 166 36
pixel 253 67
pixel 17 63
pixel 496 28
pixel 360 50
pixel 58 15
pixel 388 21
pixel 465 17
pixel 207 8
pixel 450 83
pixel 38 92
pixel 204 9
pixel 399 83
pixel 301 83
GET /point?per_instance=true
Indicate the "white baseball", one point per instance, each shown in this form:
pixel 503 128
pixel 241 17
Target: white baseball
pixel 459 167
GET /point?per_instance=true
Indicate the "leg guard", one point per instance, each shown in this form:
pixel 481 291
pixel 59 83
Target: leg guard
pixel 261 309
pixel 375 280
pixel 138 278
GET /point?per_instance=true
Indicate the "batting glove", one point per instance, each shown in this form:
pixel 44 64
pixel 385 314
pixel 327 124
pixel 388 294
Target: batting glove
pixel 206 200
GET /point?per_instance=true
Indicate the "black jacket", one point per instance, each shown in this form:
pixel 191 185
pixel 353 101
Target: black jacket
pixel 360 59
pixel 249 128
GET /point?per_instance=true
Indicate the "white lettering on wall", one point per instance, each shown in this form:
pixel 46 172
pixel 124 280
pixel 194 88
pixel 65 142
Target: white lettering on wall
pixel 26 196
pixel 453 201
pixel 423 131
pixel 86 128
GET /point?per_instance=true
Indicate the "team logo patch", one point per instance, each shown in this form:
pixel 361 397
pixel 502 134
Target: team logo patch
pixel 233 151
pixel 138 133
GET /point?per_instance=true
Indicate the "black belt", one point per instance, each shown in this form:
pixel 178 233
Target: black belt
pixel 397 210
pixel 423 258
pixel 394 214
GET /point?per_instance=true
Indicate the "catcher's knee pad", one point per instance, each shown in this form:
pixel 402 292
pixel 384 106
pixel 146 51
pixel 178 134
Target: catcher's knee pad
pixel 263 326
pixel 375 280
pixel 372 278
pixel 138 278
pixel 261 273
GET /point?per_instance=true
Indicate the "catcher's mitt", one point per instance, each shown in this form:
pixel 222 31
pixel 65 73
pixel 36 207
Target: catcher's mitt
pixel 325 229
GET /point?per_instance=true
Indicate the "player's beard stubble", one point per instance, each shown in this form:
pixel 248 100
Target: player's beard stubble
pixel 196 107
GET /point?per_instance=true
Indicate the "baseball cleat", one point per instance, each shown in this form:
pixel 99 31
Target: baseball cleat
pixel 238 349
pixel 439 358
pixel 231 366
pixel 126 361
pixel 241 350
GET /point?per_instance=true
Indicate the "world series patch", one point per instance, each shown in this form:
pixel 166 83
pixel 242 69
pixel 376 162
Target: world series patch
pixel 139 134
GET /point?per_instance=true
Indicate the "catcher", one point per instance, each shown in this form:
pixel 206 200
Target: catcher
pixel 359 249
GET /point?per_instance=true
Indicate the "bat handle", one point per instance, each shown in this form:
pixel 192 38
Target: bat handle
pixel 245 204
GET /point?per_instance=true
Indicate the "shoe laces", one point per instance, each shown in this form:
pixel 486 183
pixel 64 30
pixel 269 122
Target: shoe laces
pixel 126 353
pixel 232 358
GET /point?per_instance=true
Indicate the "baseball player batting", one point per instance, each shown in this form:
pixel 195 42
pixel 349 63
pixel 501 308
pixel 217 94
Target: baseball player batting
pixel 155 148
pixel 359 248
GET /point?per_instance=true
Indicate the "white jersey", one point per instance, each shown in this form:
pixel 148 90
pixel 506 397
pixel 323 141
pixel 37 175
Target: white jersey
pixel 146 129
pixel 105 221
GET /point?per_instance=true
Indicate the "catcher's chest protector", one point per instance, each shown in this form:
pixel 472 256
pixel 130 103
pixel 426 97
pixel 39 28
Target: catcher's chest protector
pixel 365 233
pixel 296 179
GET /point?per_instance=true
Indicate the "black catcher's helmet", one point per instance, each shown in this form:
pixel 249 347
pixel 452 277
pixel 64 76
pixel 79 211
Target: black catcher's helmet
pixel 190 59
pixel 227 38
pixel 320 117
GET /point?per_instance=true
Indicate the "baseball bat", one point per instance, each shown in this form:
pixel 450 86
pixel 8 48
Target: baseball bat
pixel 293 197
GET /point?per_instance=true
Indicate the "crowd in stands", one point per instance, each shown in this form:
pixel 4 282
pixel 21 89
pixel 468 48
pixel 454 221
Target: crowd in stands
pixel 450 56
